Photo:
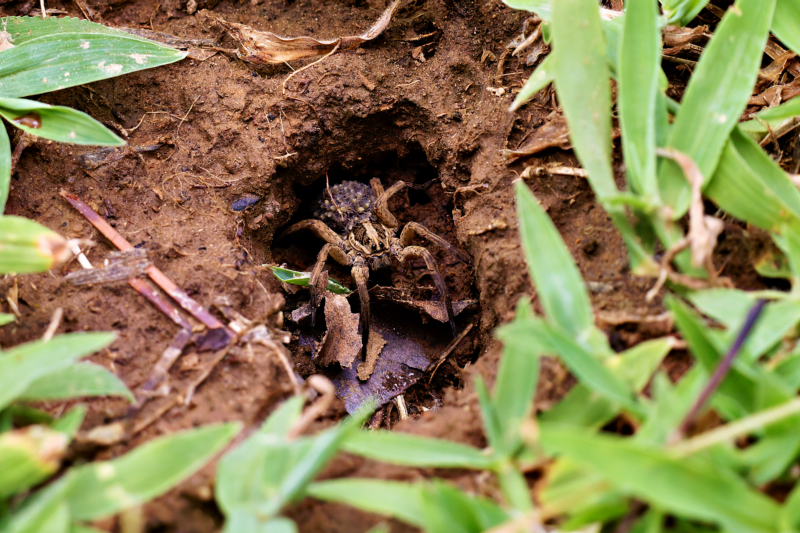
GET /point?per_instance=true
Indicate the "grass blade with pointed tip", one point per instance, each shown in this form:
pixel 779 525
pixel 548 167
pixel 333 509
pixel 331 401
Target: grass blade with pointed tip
pixel 76 59
pixel 582 79
pixel 558 282
pixel 684 486
pixel 301 278
pixel 414 450
pixel 56 123
pixel 541 78
pixel 717 94
pixel 5 168
pixel 103 488
pixel 80 379
pixel 391 498
pixel 22 365
pixel 640 66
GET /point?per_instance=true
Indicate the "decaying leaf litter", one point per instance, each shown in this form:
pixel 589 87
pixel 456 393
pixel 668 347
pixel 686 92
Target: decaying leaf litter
pixel 459 130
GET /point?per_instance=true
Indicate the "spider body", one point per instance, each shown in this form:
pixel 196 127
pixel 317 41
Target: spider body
pixel 360 232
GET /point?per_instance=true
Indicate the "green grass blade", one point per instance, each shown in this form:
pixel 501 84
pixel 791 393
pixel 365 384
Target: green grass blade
pixel 29 456
pixel 80 379
pixel 640 67
pixel 56 123
pixel 414 450
pixel 543 8
pixel 302 278
pixel 682 12
pixel 5 167
pixel 582 80
pixel 776 118
pixel 558 282
pixel 22 365
pixel 716 95
pixel 25 29
pixel 76 59
pixel 786 23
pixel 103 488
pixel 390 498
pixel 517 376
pixel 685 486
pixel 589 371
pixel 541 78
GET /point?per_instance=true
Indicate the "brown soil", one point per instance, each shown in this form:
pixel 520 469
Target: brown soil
pixel 220 121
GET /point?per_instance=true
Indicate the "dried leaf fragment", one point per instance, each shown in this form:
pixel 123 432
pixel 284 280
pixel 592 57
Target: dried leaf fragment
pixel 374 349
pixel 342 342
pixel 268 48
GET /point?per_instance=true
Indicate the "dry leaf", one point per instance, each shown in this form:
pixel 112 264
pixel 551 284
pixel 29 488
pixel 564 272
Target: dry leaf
pixel 554 133
pixel 342 342
pixel 267 48
pixel 374 348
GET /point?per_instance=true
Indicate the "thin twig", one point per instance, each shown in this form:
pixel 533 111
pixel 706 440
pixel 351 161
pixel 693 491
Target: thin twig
pixel 724 366
pixel 177 294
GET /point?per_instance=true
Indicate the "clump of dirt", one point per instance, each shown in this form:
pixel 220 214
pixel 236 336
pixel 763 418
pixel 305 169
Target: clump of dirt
pixel 222 160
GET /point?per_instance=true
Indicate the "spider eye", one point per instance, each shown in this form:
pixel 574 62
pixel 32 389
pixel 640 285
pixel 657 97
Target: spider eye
pixel 374 247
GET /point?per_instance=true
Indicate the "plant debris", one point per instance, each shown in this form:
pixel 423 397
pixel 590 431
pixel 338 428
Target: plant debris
pixel 262 47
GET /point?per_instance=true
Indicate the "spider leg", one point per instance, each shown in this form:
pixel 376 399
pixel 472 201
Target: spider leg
pixel 360 273
pixel 377 187
pixel 413 252
pixel 381 204
pixel 317 227
pixel 412 228
pixel 316 275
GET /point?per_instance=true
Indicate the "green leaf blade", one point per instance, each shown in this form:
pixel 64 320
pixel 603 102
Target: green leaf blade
pixel 717 94
pixel 413 450
pixel 640 60
pixel 105 487
pixel 558 282
pixel 80 379
pixel 56 123
pixel 76 59
pixel 582 80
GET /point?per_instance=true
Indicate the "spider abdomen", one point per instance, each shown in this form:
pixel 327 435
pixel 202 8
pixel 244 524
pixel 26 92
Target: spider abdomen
pixel 346 205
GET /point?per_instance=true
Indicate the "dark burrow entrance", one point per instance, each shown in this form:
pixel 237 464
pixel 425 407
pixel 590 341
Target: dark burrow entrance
pixel 420 357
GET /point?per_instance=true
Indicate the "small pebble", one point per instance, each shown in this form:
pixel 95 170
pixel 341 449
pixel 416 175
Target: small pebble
pixel 240 204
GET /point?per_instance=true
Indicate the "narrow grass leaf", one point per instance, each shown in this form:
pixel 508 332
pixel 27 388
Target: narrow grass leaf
pixel 786 23
pixel 590 371
pixel 56 123
pixel 737 189
pixel 75 59
pixel 670 404
pixel 716 95
pixel 28 456
pixel 79 379
pixel 517 375
pixel 103 488
pixel 543 8
pixel 582 80
pixel 558 282
pixel 491 423
pixel 789 518
pixel 302 278
pixel 583 407
pixel 449 510
pixel 5 168
pixel 22 365
pixel 390 498
pixel 70 422
pixel 541 78
pixel 776 118
pixel 640 68
pixel 251 472
pixel 21 30
pixel 685 486
pixel 682 12
pixel 414 450
pixel 6 318
pixel 36 515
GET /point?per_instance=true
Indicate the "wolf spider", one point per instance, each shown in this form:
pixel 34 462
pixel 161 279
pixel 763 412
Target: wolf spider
pixel 366 240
